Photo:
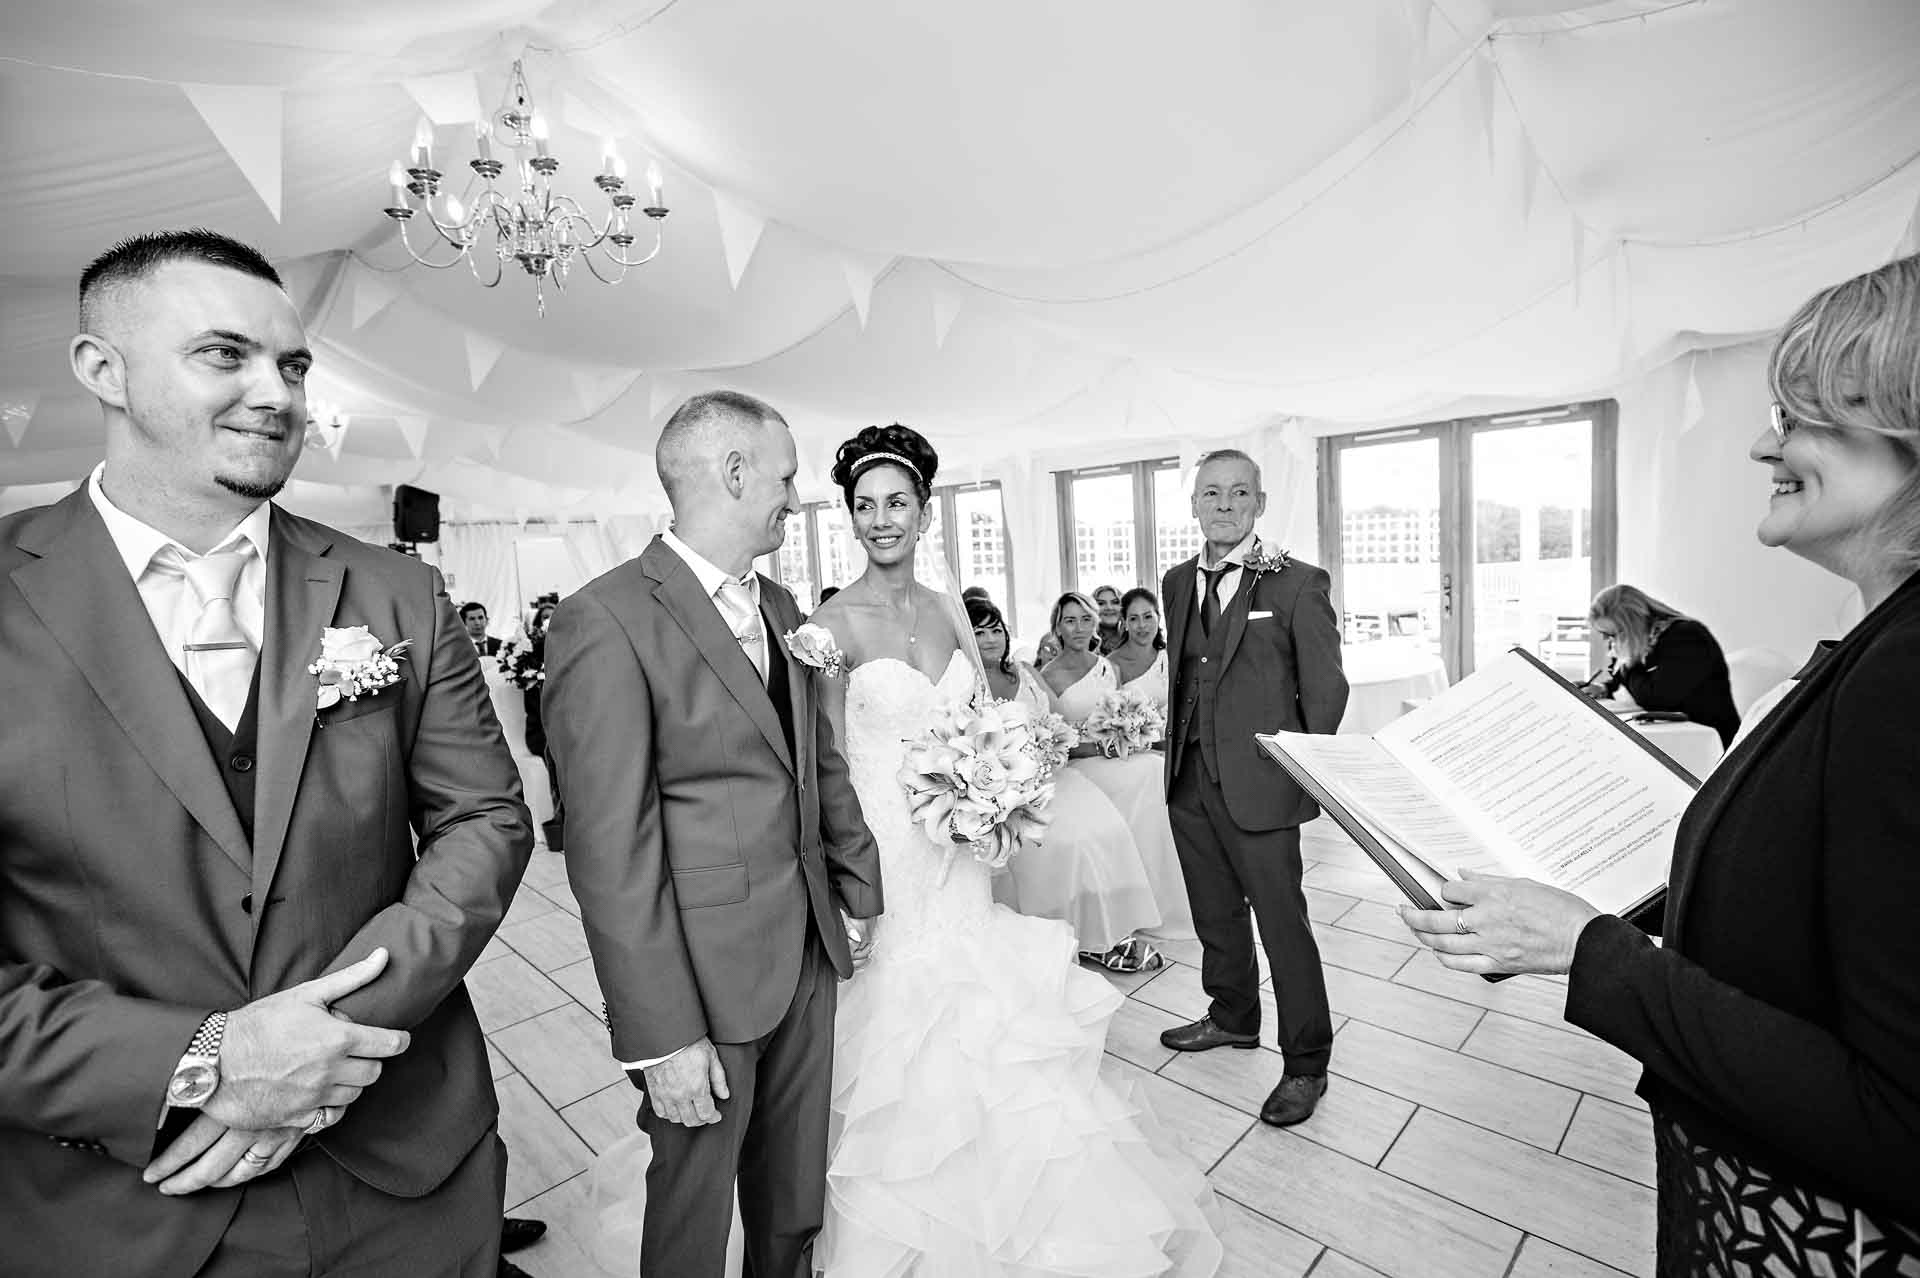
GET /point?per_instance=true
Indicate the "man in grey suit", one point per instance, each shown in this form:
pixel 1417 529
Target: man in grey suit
pixel 1252 646
pixel 716 848
pixel 235 905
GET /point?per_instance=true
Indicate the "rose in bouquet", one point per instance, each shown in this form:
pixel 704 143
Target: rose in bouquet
pixel 1124 722
pixel 521 662
pixel 974 779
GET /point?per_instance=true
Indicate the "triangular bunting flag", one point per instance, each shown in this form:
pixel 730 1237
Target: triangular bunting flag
pixel 1693 407
pixel 16 411
pixel 373 292
pixel 494 438
pixel 861 270
pixel 740 229
pixel 483 353
pixel 414 431
pixel 946 308
pixel 598 388
pixel 453 98
pixel 246 120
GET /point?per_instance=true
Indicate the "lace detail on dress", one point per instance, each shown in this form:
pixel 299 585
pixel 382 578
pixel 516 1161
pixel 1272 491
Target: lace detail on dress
pixel 1723 1217
pixel 890 702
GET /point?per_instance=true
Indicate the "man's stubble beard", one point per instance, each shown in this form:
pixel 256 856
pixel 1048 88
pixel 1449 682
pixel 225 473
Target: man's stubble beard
pixel 249 489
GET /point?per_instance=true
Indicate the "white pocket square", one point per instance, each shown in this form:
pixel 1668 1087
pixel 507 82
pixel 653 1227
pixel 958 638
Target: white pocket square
pixel 1258 616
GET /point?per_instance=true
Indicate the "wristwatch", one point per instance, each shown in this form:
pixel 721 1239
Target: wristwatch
pixel 198 1073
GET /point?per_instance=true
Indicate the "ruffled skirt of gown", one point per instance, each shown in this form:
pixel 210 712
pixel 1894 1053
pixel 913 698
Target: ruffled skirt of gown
pixel 1137 787
pixel 973 1135
pixel 1088 873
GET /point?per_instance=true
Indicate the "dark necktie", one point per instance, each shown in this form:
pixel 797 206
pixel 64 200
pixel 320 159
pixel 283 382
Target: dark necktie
pixel 1210 602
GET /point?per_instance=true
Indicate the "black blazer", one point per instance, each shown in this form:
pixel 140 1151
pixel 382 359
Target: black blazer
pixel 1781 1022
pixel 1685 671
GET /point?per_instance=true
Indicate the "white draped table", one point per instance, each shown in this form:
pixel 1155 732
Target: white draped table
pixel 1382 676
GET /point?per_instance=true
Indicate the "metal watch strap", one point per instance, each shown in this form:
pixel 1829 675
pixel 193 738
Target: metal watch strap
pixel 207 1039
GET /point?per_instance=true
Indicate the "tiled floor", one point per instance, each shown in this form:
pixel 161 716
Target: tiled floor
pixel 1468 1130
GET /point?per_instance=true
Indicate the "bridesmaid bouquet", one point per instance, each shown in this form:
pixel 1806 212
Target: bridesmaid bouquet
pixel 1053 737
pixel 976 778
pixel 1125 722
pixel 521 664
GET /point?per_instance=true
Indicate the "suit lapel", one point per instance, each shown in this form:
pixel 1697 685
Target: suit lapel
pixel 1235 614
pixel 81 592
pixel 678 591
pixel 303 589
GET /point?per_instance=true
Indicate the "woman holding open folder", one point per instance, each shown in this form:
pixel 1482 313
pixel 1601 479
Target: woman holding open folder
pixel 1780 1025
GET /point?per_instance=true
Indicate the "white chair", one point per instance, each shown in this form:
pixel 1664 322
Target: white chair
pixel 1754 671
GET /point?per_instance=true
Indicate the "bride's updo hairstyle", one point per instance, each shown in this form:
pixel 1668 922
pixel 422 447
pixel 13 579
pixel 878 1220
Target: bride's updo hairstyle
pixel 894 445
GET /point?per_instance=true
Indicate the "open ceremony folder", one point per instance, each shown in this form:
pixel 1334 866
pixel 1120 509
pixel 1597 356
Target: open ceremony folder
pixel 1510 771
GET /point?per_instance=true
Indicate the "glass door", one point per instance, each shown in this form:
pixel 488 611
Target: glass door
pixel 1462 539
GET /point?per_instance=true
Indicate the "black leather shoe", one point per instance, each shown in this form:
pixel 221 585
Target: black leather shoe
pixel 517 1234
pixel 1203 1036
pixel 1293 1101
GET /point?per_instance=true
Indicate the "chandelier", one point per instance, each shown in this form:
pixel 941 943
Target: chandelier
pixel 546 232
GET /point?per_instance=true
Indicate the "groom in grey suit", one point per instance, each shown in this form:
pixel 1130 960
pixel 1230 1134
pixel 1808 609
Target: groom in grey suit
pixel 716 848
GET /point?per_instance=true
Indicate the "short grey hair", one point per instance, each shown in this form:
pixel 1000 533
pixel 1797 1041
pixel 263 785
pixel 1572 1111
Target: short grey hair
pixel 1228 454
pixel 1850 359
pixel 705 428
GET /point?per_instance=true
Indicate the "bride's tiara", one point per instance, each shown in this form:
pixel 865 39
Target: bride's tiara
pixel 874 459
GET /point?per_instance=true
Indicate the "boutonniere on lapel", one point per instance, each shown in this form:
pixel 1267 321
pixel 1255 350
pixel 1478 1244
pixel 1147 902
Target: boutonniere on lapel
pixel 813 646
pixel 1260 559
pixel 353 664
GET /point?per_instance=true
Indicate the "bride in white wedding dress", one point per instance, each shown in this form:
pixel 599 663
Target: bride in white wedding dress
pixel 972 1133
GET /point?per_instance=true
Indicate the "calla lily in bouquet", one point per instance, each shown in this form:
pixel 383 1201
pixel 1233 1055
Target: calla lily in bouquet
pixel 976 779
pixel 1125 722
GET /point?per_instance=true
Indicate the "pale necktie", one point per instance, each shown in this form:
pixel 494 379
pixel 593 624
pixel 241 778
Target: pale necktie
pixel 743 617
pixel 220 657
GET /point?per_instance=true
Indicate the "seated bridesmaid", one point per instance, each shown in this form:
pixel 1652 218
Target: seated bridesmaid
pixel 1087 873
pixel 1137 785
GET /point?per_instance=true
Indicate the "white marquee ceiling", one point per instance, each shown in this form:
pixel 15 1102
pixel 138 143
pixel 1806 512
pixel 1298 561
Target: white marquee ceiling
pixel 1079 219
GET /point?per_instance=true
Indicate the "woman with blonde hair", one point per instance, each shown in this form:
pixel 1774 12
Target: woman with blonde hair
pixel 1777 1024
pixel 1663 658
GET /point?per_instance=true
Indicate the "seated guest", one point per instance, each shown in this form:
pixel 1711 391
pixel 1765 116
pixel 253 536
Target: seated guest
pixel 1046 650
pixel 1087 874
pixel 828 592
pixel 973 593
pixel 473 616
pixel 1777 1025
pixel 1135 784
pixel 1665 659
pixel 1107 600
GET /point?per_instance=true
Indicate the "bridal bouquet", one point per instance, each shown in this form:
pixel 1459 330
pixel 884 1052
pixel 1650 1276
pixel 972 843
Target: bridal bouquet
pixel 521 663
pixel 1125 722
pixel 977 778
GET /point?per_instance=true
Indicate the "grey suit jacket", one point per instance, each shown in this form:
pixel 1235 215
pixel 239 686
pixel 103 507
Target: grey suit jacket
pixel 131 903
pixel 701 849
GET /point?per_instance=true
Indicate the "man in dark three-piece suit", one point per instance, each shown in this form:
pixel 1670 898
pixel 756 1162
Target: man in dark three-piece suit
pixel 1252 646
pixel 716 847
pixel 237 897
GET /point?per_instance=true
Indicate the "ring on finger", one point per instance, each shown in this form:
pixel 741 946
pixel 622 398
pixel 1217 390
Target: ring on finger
pixel 1460 927
pixel 323 1118
pixel 257 1158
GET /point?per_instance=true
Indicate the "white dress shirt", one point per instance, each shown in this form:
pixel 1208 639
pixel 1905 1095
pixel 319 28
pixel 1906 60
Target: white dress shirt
pixel 741 621
pixel 170 601
pixel 1227 582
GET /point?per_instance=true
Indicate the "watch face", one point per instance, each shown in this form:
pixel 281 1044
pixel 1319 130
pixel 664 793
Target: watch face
pixel 192 1084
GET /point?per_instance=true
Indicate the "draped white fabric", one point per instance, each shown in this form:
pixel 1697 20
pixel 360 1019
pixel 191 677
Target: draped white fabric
pixel 1078 222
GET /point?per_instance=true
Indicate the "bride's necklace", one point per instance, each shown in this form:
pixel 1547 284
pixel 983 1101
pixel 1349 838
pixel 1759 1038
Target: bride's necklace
pixel 913 614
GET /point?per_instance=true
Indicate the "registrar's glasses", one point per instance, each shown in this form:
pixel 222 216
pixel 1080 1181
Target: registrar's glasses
pixel 1784 423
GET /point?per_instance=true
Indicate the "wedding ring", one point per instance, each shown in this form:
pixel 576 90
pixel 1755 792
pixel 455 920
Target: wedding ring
pixel 257 1158
pixel 1460 923
pixel 323 1118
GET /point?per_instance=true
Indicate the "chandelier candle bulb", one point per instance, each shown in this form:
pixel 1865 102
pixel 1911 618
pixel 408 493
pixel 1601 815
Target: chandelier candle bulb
pixel 483 139
pixel 609 160
pixel 655 183
pixel 423 145
pixel 539 135
pixel 456 212
pixel 398 177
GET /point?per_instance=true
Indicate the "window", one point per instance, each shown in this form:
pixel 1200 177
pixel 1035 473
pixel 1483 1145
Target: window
pixel 967 533
pixel 1465 538
pixel 1130 524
